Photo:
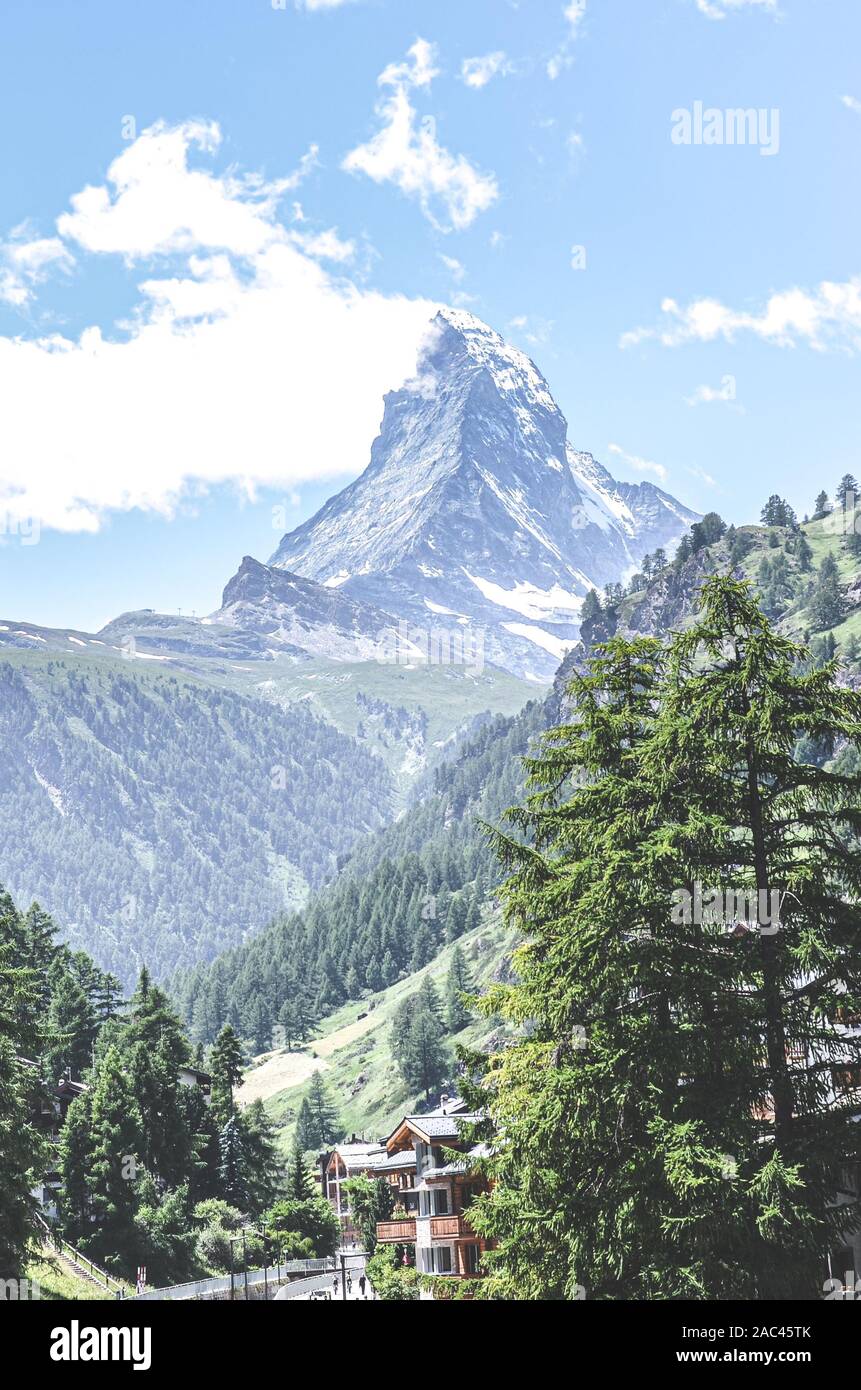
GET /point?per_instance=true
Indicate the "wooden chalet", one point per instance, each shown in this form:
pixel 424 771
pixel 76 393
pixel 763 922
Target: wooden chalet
pixel 434 1193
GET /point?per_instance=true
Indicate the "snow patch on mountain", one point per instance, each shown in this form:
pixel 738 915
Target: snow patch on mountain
pixel 525 598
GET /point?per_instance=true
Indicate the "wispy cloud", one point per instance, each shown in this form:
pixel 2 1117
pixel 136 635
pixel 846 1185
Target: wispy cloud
pixel 535 331
pixel 703 476
pixel 407 153
pixel 453 266
pixel 237 344
pixel 640 465
pixel 720 9
pixel 477 72
pixel 829 316
pixel 313 4
pixel 574 14
pixel 853 104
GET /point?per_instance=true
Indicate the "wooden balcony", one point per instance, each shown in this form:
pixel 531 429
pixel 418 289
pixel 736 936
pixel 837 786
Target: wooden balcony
pixel 399 1232
pixel 451 1228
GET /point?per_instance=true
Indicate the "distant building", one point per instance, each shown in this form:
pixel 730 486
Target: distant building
pixel 348 1160
pixel 192 1076
pixel 49 1105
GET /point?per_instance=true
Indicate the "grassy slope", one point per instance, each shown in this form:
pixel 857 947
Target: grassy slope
pixel 57 1280
pixel 373 1107
pixel 822 542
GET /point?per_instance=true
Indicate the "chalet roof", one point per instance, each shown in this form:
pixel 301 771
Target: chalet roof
pixel 462 1165
pixel 449 1105
pixel 77 1088
pixel 441 1126
pixel 360 1150
pixel 358 1155
pixel 203 1078
pixel 442 1123
pixel 386 1163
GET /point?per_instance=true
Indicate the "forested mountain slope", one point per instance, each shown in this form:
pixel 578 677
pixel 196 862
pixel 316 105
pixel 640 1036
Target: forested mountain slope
pixel 160 819
pixel 355 1047
pixel 405 892
pixel 807 576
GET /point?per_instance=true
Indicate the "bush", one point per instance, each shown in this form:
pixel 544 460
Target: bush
pixel 391 1280
pixel 312 1218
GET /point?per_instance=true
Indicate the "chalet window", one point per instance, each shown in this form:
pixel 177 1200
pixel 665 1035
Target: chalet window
pixel 442 1256
pixel 470 1259
pixel 846 1079
pixel 442 1204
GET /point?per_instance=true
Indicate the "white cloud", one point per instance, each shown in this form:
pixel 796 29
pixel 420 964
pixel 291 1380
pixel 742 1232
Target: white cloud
pixel 638 464
pixel 419 73
pixel 853 104
pixel 829 316
pixel 477 72
pixel 326 246
pixel 243 361
pixel 535 331
pixel 406 152
pixel 160 205
pixel 574 13
pixel 454 266
pixel 719 9
pixel 25 262
pixel 703 476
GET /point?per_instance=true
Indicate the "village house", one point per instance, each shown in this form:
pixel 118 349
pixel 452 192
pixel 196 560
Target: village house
pixel 434 1191
pixel 348 1160
pixel 49 1107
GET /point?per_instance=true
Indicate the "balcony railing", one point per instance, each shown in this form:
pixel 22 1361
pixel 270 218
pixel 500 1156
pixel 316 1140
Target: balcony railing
pixel 451 1226
pixel 397 1231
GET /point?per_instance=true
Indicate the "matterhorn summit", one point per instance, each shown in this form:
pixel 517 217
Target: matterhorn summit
pixel 476 510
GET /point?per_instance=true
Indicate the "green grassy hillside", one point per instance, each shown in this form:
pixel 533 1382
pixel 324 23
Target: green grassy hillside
pixel 352 1046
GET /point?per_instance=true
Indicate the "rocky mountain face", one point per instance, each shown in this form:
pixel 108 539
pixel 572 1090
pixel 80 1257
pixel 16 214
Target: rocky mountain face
pixel 302 616
pixel 476 523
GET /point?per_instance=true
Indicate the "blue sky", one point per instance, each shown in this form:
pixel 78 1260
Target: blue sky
pixel 194 347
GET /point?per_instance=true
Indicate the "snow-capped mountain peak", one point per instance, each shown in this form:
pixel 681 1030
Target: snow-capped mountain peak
pixel 475 509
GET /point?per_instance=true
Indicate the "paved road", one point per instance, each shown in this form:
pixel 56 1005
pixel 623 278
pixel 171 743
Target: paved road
pixel 331 1285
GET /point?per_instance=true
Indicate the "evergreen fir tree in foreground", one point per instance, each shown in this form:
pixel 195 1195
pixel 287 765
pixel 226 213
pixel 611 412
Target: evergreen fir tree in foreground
pixel 669 1120
pixel 21 1150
